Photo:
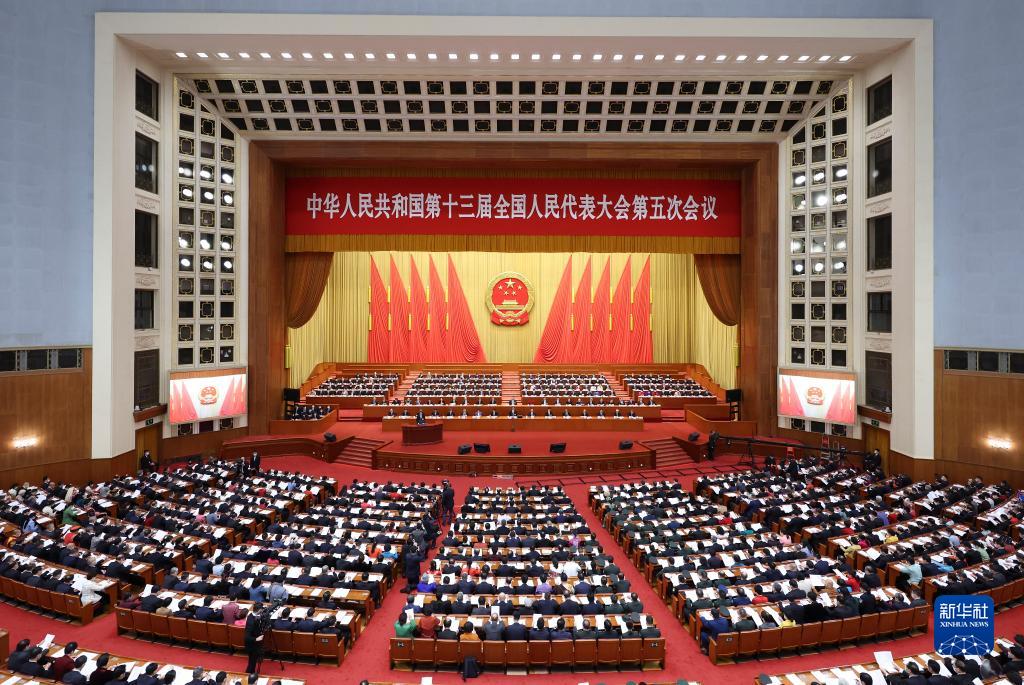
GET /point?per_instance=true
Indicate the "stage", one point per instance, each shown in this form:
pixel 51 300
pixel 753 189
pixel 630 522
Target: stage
pixel 366 443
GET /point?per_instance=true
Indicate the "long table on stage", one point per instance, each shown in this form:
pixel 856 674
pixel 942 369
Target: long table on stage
pixel 395 459
pixel 379 411
pixel 396 424
pixel 422 434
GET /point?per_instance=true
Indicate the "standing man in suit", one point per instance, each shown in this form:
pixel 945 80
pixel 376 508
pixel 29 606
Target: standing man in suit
pixel 256 461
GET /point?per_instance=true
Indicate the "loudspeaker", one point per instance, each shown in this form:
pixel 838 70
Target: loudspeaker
pixel 694 436
pixel 330 437
pixel 291 394
pixel 734 395
pixel 515 449
pixel 465 449
pixel 557 447
pixel 625 444
pixel 481 447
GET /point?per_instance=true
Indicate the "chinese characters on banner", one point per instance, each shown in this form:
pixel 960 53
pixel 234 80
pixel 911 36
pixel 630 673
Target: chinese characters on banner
pixel 497 206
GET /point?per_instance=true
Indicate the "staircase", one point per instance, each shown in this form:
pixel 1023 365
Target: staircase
pixel 359 452
pixel 511 388
pixel 619 388
pixel 404 385
pixel 668 453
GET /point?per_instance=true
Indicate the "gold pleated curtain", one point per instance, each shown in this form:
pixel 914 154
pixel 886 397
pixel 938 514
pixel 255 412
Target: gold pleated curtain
pixel 684 327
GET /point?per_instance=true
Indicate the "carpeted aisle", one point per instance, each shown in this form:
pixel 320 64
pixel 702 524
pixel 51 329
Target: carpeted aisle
pixel 369 658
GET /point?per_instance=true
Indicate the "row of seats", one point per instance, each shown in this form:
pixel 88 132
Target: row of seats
pixel 55 603
pixel 207 634
pixel 542 655
pixel 30 663
pixel 773 642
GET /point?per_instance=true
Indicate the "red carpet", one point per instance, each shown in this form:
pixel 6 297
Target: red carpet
pixel 369 658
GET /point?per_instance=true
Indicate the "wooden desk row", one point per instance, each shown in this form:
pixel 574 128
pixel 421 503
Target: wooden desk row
pixel 503 411
pixel 539 655
pixel 135 667
pixel 394 424
pixel 872 668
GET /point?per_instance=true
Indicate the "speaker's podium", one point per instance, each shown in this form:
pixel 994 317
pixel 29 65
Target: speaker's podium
pixel 422 433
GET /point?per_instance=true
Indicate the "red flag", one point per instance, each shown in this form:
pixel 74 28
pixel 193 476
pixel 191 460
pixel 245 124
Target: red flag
pixel 579 352
pixel 556 328
pixel 619 338
pixel 377 348
pixel 599 316
pixel 398 341
pixel 188 408
pixel 437 311
pixel 462 335
pixel 641 341
pixel 418 299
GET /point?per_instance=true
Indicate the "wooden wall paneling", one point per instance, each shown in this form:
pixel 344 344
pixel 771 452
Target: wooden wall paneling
pixel 972 406
pixel 205 444
pixel 149 438
pixel 759 291
pixel 267 377
pixel 53 406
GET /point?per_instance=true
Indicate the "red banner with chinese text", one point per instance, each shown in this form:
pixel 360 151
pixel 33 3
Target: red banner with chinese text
pixel 500 206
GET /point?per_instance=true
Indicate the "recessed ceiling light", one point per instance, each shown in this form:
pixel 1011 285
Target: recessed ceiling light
pixel 680 58
pixel 555 57
pixel 307 55
pixel 201 55
pixel 180 55
pixel 616 58
pixel 389 55
pixel 637 58
pixel 701 58
pixel 349 55
pixel 370 55
pixel 265 55
pixel 762 58
pixel 598 57
pixel 453 55
pixel 803 58
pixel 846 58
pixel 721 58
pixel 824 58
pixel 431 55
pixel 286 55
pixel 473 55
pixel 328 55
pixel 494 56
pixel 411 56
pixel 223 55
pixel 741 58
pixel 244 55
pixel 577 57
pixel 535 56
pixel 658 58
pixel 782 58
pixel 514 57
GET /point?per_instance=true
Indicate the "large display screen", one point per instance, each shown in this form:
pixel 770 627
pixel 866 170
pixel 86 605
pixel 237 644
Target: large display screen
pixel 818 396
pixel 205 395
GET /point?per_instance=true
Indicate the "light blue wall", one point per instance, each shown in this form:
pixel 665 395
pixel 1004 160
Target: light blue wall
pixel 46 76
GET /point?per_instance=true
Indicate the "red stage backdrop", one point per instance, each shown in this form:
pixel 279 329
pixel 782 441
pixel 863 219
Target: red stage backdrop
pixel 530 206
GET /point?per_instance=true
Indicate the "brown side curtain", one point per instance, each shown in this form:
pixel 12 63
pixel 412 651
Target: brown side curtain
pixel 719 276
pixel 305 277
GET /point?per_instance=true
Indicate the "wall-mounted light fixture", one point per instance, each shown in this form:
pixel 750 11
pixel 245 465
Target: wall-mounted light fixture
pixel 999 443
pixel 22 443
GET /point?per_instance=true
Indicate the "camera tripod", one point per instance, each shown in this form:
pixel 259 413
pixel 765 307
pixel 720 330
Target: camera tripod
pixel 269 645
